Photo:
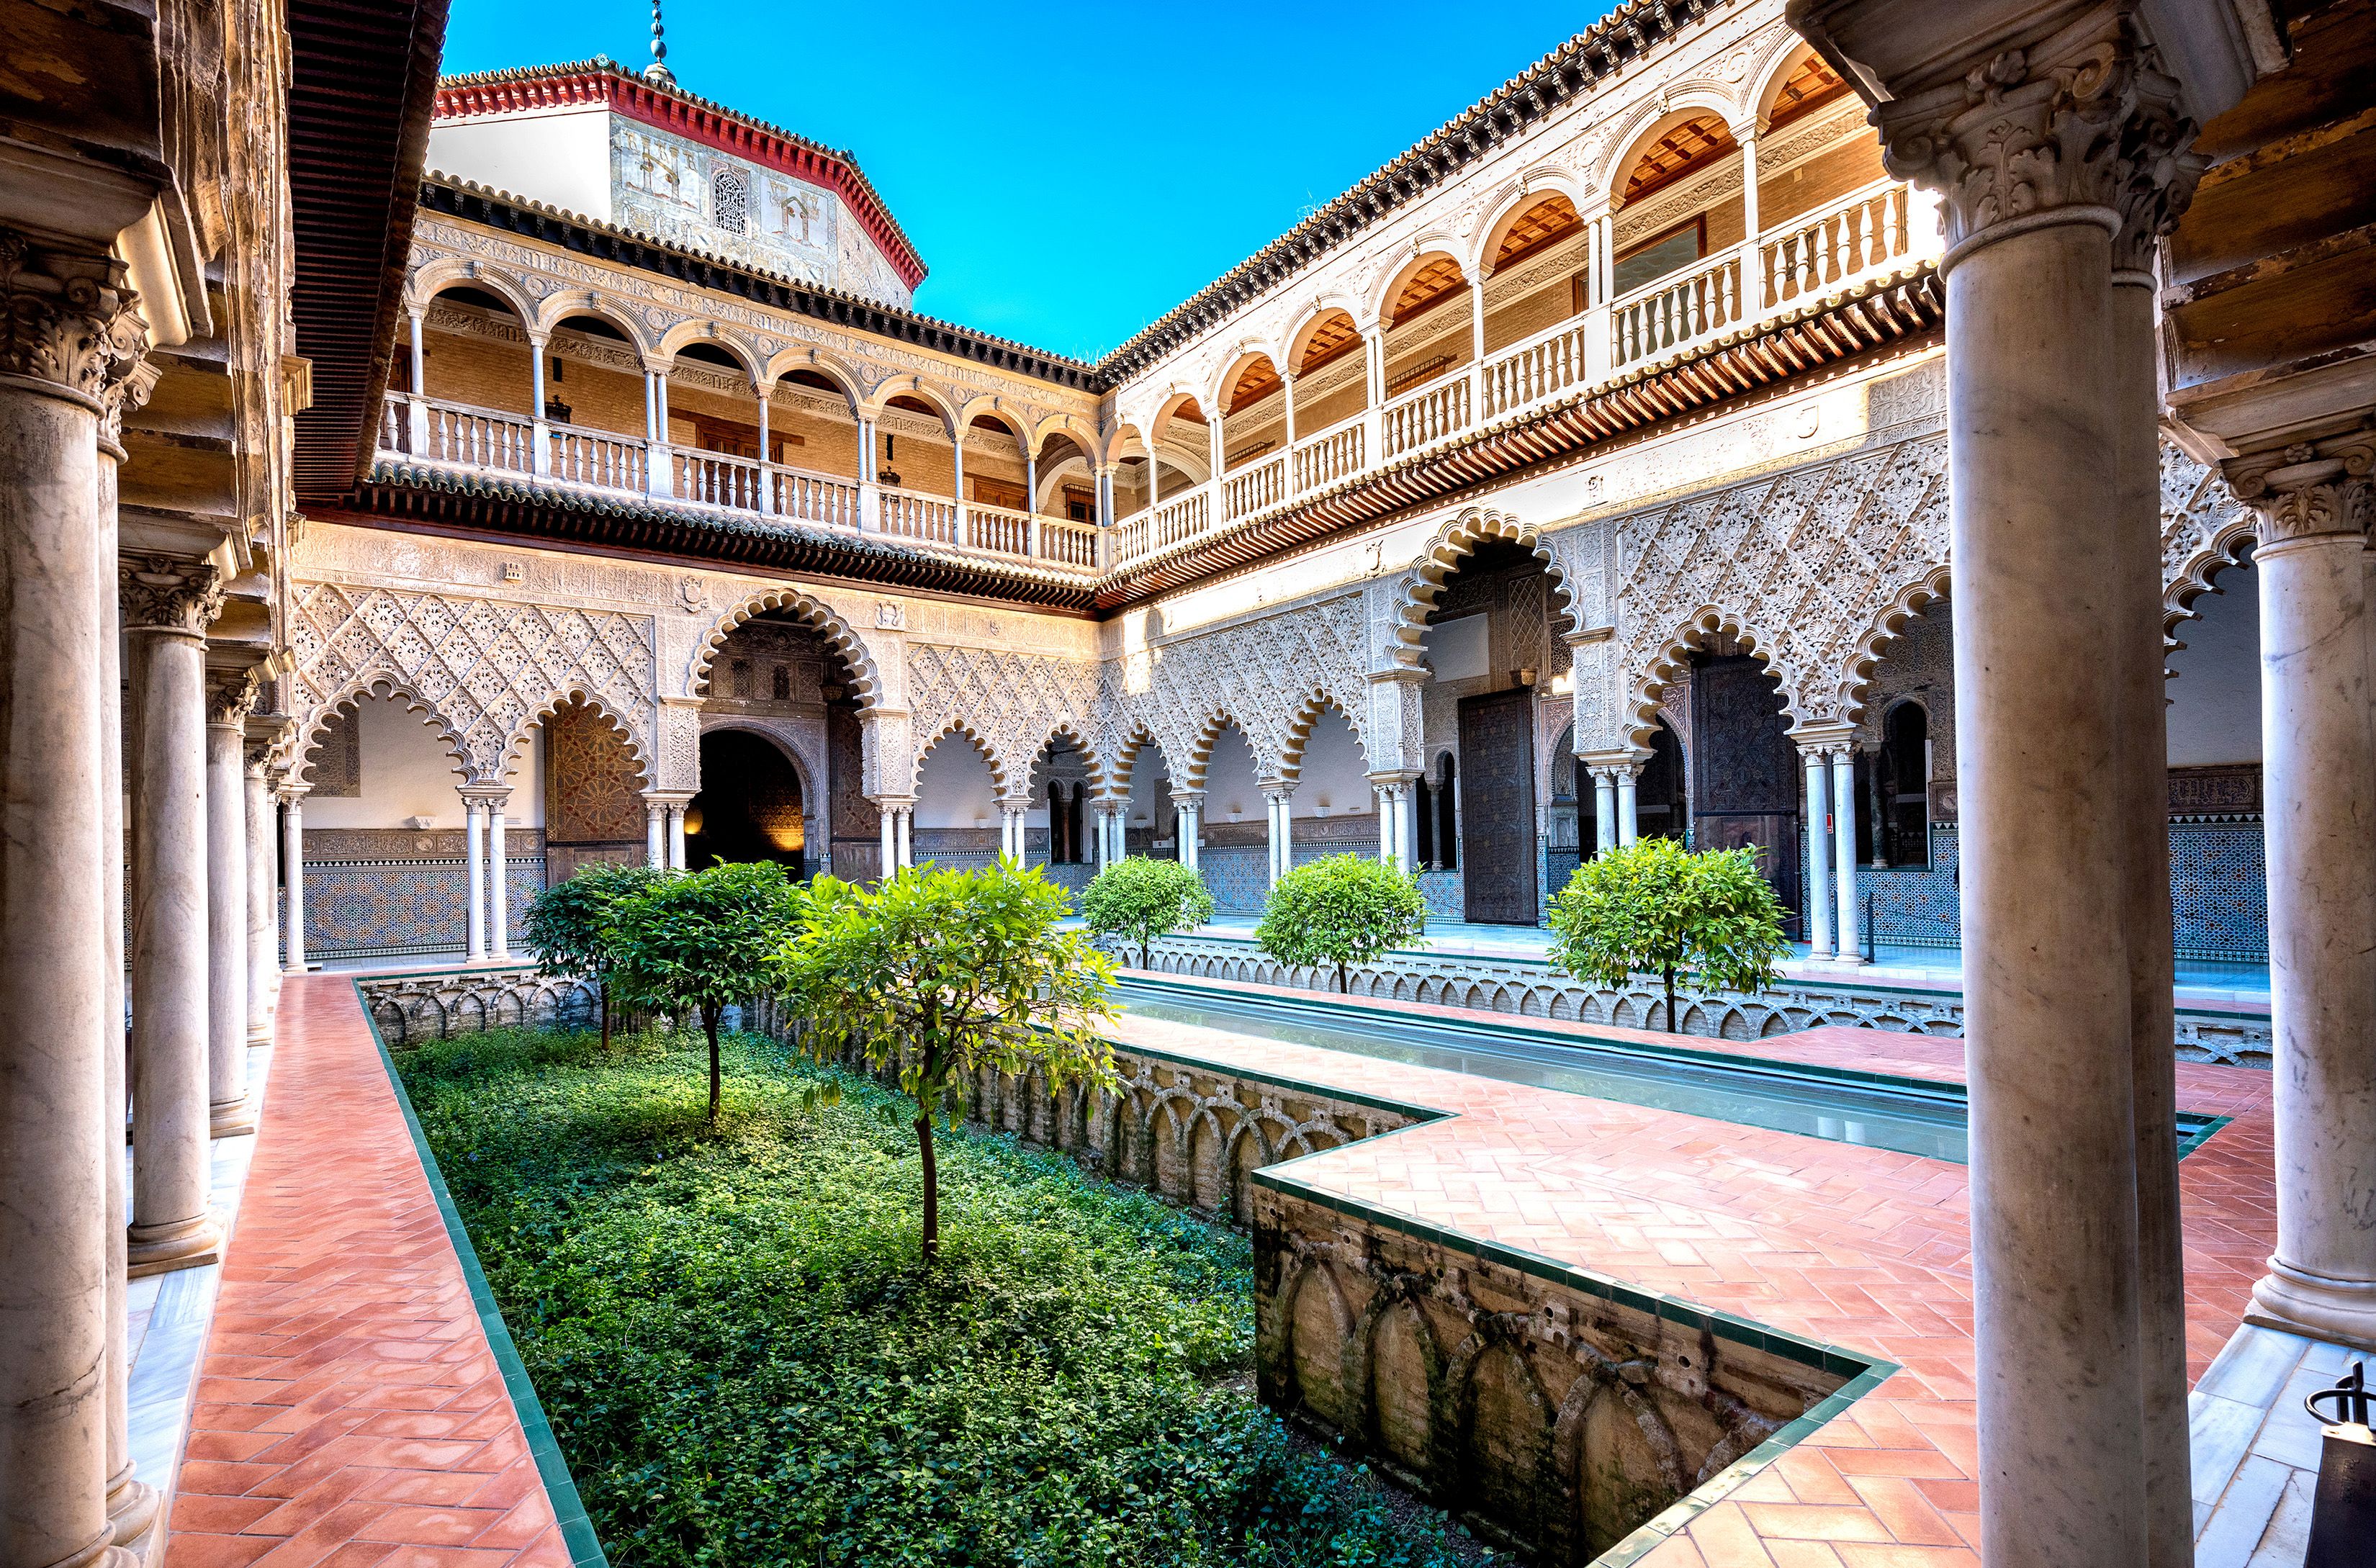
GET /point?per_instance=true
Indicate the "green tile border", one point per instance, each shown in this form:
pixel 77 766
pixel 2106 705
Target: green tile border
pixel 569 1510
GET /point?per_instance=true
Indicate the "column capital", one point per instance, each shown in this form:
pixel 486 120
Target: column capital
pixel 492 795
pixel 1615 764
pixel 164 593
pixel 2081 126
pixel 2310 488
pixel 232 696
pixel 1188 800
pixel 1393 777
pixel 70 321
pixel 291 791
pixel 1822 740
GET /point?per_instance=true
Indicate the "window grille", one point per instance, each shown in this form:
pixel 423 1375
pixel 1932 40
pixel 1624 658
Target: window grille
pixel 730 202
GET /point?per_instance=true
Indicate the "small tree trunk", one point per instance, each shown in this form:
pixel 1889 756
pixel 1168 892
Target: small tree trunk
pixel 1143 962
pixel 603 991
pixel 709 1028
pixel 1671 1000
pixel 1341 988
pixel 931 1190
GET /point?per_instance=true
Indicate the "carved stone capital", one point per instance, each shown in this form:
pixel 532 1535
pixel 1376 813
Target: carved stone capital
pixel 68 320
pixel 162 594
pixel 2312 487
pixel 2084 127
pixel 232 697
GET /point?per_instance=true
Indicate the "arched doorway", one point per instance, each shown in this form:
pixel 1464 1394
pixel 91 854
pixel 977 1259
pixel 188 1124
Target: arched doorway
pixel 1746 780
pixel 749 808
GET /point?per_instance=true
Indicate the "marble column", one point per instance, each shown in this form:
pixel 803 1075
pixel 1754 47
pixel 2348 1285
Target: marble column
pixel 1604 810
pixel 230 1113
pixel 133 1507
pixel 1386 845
pixel 1282 830
pixel 474 879
pixel 654 834
pixel 2319 761
pixel 262 944
pixel 63 365
pixel 2030 150
pixel 1628 823
pixel 1819 854
pixel 676 834
pixel 1850 949
pixel 906 820
pixel 499 895
pixel 292 874
pixel 890 862
pixel 1191 806
pixel 167 605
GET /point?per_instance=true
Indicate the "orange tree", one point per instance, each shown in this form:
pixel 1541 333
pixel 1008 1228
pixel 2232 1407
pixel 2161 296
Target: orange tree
pixel 1653 907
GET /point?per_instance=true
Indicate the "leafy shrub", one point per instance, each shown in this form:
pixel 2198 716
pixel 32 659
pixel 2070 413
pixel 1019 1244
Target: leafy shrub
pixel 1342 910
pixel 1654 907
pixel 1139 899
pixel 939 974
pixel 567 926
pixel 744 1362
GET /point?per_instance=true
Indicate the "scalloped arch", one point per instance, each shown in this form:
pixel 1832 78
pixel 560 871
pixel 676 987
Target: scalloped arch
pixel 2199 573
pixel 810 612
pixel 1673 658
pixel 1887 627
pixel 382 683
pixel 1001 767
pixel 1297 735
pixel 1457 537
pixel 584 696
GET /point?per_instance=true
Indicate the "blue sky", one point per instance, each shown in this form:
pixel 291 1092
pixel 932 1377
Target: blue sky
pixel 1068 172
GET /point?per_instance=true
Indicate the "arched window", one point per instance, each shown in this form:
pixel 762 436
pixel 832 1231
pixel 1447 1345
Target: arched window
pixel 730 202
pixel 1903 782
pixel 1447 819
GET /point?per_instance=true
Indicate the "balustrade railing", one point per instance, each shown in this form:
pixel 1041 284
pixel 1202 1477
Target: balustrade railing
pixel 479 438
pixel 1674 314
pixel 598 458
pixel 1864 231
pixel 1333 454
pixel 1068 543
pixel 716 480
pixel 1253 489
pixel 905 514
pixel 1418 419
pixel 999 530
pixel 1544 366
pixel 815 498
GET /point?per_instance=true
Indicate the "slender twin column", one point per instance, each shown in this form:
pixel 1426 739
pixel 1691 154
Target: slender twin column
pixel 233 699
pixel 654 835
pixel 1191 806
pixel 72 345
pixel 292 871
pixel 1280 798
pixel 167 606
pixel 1397 828
pixel 1604 807
pixel 263 938
pixel 488 922
pixel 1819 858
pixel 898 832
pixel 1832 897
pixel 1012 842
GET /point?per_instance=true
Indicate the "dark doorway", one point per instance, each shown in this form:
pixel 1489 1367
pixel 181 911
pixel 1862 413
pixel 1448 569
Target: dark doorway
pixel 1745 775
pixel 749 808
pixel 1497 827
pixel 1658 803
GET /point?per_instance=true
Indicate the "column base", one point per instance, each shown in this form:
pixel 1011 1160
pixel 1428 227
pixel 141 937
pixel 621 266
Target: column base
pixel 2342 1312
pixel 102 1552
pixel 192 1243
pixel 133 1508
pixel 231 1118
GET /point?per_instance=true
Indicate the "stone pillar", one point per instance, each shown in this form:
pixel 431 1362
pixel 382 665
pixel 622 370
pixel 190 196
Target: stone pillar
pixel 499 897
pixel 63 365
pixel 474 879
pixel 906 818
pixel 167 605
pixel 1819 852
pixel 1628 827
pixel 1604 809
pixel 1850 950
pixel 2319 758
pixel 292 873
pixel 263 935
pixel 2038 153
pixel 132 1506
pixel 676 834
pixel 1191 806
pixel 654 834
pixel 229 1110
pixel 1281 797
pixel 890 861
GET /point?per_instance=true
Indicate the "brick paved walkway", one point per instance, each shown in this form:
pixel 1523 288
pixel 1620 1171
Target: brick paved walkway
pixel 1861 1247
pixel 348 1410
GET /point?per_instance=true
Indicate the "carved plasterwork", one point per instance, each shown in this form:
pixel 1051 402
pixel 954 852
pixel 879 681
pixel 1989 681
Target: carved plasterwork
pixel 1261 674
pixel 1010 704
pixel 485 669
pixel 2204 530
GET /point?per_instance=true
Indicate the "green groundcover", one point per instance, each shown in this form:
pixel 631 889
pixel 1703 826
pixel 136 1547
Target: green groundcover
pixel 744 1362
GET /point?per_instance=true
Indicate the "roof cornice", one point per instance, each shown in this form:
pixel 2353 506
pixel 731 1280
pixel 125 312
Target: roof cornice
pixel 1624 37
pixel 672 109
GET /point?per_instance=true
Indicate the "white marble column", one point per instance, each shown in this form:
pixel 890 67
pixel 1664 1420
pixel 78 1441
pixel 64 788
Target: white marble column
pixel 1604 810
pixel 676 834
pixel 63 366
pixel 654 835
pixel 230 1113
pixel 1628 822
pixel 292 874
pixel 499 900
pixel 1819 852
pixel 167 605
pixel 890 861
pixel 905 819
pixel 474 879
pixel 1850 949
pixel 2319 788
pixel 1282 830
pixel 1191 806
pixel 263 932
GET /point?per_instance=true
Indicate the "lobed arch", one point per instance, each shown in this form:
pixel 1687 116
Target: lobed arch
pixel 1001 771
pixel 1289 762
pixel 1125 762
pixel 1430 247
pixel 579 693
pixel 1066 730
pixel 382 683
pixel 1887 625
pixel 1456 539
pixel 1514 202
pixel 2198 573
pixel 810 612
pixel 685 334
pixel 434 277
pixel 845 377
pixel 1639 719
pixel 1645 123
pixel 1207 735
pixel 558 308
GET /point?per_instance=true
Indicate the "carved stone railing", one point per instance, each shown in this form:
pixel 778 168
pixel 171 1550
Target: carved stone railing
pixel 815 498
pixel 716 480
pixel 1333 454
pixel 1255 488
pixel 907 514
pixel 1674 314
pixel 598 458
pixel 1422 417
pixel 1538 369
pixel 998 530
pixel 1862 233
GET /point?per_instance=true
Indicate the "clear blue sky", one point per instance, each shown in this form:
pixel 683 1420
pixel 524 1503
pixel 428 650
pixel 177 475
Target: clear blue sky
pixel 1068 172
